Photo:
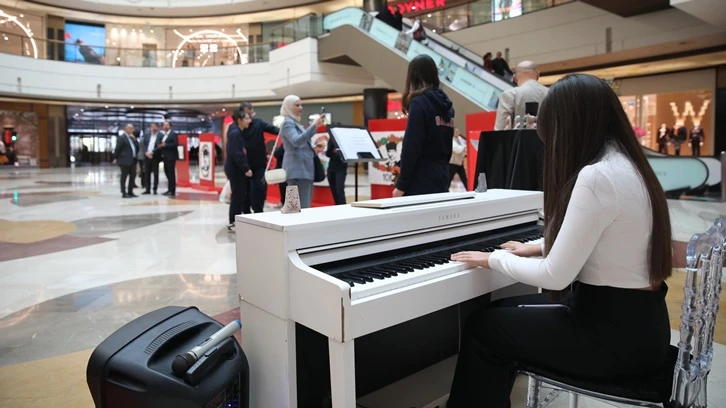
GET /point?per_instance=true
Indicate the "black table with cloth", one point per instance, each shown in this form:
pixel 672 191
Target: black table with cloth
pixel 511 159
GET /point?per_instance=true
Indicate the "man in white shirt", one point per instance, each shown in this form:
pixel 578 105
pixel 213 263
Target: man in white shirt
pixel 512 102
pixel 152 157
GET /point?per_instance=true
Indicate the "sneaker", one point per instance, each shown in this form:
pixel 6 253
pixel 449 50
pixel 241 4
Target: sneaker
pixel 230 227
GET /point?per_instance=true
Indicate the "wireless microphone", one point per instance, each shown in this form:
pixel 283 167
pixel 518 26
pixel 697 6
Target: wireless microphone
pixel 183 362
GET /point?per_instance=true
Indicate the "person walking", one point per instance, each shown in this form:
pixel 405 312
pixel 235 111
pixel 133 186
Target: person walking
pixel 236 165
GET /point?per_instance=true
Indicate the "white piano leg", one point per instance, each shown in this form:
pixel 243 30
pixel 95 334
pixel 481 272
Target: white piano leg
pixel 342 373
pixel 269 344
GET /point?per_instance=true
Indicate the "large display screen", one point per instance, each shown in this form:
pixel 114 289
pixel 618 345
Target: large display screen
pixel 85 43
pixel 504 9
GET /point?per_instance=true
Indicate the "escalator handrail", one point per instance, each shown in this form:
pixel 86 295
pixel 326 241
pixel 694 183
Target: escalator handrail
pixel 466 53
pixel 489 77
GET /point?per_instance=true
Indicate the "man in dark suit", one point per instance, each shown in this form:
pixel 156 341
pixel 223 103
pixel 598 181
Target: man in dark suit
pixel 257 155
pixel 148 147
pixel 125 157
pixel 167 148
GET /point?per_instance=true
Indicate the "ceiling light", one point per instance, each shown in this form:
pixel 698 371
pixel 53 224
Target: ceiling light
pixel 429 15
pixel 22 16
pixel 413 8
pixel 83 110
pixel 151 31
pixel 223 30
pixel 106 106
pixel 224 109
pixel 433 30
pixel 191 30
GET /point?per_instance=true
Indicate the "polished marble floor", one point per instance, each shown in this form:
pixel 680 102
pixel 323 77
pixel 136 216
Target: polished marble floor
pixel 77 262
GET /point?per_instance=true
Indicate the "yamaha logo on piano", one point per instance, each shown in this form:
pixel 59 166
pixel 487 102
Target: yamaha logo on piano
pixel 448 217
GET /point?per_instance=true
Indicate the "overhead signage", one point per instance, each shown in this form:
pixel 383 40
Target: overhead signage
pixel 408 7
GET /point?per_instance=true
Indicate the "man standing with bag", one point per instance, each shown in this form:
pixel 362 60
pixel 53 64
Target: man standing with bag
pixel 254 142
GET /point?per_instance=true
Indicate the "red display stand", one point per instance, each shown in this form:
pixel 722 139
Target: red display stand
pixel 207 160
pixel 182 166
pixel 273 191
pixel 475 124
pixel 396 127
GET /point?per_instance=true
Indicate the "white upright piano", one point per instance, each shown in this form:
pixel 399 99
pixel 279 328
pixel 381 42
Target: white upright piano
pixel 351 271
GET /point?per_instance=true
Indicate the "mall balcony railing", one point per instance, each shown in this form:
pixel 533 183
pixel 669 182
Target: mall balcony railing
pixel 310 25
pixel 205 55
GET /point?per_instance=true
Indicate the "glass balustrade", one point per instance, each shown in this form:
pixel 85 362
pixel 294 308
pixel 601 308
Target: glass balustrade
pixel 206 55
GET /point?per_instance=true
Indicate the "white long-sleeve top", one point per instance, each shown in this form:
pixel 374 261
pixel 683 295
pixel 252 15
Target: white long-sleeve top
pixel 458 151
pixel 604 237
pixel 416 25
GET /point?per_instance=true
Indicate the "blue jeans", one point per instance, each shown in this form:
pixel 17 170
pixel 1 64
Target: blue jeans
pixel 305 189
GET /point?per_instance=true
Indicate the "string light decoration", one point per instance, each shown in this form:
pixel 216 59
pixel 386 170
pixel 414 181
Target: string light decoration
pixel 13 22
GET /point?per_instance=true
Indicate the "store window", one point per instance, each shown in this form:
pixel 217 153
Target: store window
pixel 207 46
pixel 672 111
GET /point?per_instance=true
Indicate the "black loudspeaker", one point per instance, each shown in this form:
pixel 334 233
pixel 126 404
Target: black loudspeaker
pixel 132 367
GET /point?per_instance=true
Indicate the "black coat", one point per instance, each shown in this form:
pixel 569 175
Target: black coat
pixel 236 163
pixel 336 163
pixel 169 151
pixel 255 142
pixel 427 144
pixel 124 154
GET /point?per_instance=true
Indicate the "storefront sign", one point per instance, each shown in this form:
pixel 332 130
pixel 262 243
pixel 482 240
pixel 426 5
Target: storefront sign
pixel 417 6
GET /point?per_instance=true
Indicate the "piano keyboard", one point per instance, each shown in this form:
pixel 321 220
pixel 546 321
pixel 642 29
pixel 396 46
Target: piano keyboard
pixel 375 274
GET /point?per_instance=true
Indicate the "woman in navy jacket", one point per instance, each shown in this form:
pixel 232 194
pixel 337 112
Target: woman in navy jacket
pixel 427 142
pixel 236 166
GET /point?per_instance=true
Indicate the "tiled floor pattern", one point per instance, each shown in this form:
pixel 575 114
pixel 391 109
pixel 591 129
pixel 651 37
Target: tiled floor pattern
pixel 78 262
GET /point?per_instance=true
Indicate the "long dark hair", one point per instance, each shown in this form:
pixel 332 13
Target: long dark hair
pixel 579 117
pixel 422 75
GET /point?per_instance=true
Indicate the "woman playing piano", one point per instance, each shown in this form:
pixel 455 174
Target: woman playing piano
pixel 607 238
pixel 429 132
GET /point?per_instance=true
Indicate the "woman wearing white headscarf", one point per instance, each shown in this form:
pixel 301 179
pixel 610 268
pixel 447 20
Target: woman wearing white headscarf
pixel 299 153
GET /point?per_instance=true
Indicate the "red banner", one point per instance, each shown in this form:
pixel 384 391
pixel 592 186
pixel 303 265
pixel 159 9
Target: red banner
pixel 388 134
pixel 182 166
pixel 475 124
pixel 207 160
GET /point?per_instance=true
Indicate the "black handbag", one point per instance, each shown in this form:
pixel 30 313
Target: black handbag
pixel 319 170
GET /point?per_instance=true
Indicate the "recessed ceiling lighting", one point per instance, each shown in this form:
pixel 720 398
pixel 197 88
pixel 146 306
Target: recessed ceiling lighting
pixel 118 58
pixel 223 30
pixel 429 15
pixel 413 8
pixel 191 30
pixel 433 30
pixel 132 106
pixel 83 110
pixel 22 15
pixel 106 106
pixel 224 109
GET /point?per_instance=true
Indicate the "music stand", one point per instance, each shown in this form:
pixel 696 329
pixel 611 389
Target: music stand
pixel 356 145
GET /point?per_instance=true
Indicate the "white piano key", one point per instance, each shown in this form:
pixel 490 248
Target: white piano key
pixel 379 286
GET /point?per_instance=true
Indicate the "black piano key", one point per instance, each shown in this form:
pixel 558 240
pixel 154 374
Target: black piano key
pixel 389 272
pixel 348 277
pixel 362 275
pixel 400 267
pixel 435 259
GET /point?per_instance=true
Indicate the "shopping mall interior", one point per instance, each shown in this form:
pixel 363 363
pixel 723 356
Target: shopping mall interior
pixel 84 269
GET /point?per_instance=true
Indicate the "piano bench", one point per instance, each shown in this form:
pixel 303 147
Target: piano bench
pixel 652 390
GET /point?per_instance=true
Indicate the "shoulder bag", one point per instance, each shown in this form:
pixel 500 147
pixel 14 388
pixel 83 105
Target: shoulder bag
pixel 274 176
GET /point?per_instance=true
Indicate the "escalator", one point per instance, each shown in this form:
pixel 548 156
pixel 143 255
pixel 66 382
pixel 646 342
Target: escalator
pixel 682 174
pixel 356 37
